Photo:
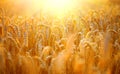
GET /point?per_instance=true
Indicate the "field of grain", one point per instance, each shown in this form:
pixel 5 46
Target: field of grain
pixel 87 42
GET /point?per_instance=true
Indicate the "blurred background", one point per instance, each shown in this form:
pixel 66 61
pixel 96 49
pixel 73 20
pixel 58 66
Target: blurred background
pixel 28 7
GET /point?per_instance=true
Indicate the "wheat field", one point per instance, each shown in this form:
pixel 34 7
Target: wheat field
pixel 77 44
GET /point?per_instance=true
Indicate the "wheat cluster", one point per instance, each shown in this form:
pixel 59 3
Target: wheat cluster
pixel 88 44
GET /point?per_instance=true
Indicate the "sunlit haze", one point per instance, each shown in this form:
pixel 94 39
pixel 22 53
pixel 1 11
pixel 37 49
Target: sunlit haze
pixel 56 7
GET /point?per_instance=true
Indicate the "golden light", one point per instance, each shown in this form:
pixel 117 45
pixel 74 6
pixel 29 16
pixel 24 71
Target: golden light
pixel 59 7
pixel 58 4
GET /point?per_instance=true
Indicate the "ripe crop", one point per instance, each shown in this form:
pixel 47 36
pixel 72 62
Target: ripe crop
pixel 87 44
